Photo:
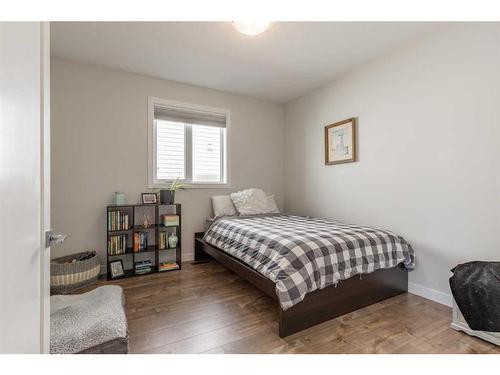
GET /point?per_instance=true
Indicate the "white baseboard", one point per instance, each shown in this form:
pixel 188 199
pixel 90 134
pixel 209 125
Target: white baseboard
pixel 432 294
pixel 492 337
pixel 188 256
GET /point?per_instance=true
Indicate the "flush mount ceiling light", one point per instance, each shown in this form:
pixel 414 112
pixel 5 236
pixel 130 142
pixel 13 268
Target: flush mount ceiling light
pixel 252 27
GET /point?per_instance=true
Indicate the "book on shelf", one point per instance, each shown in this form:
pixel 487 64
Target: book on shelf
pixel 163 240
pixel 140 241
pixel 170 220
pixel 167 266
pixel 117 220
pixel 143 266
pixel 143 263
pixel 117 244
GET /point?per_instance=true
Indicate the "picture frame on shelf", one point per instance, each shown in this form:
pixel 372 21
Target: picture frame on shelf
pixel 149 198
pixel 116 269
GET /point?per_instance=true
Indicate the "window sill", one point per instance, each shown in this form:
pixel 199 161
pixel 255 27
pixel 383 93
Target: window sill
pixel 225 185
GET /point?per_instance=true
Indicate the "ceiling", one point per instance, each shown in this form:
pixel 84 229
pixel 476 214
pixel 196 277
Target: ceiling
pixel 285 62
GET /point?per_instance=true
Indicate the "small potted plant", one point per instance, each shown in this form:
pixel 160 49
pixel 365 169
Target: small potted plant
pixel 168 196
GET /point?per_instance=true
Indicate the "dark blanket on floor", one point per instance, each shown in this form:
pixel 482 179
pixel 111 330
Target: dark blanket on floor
pixel 476 289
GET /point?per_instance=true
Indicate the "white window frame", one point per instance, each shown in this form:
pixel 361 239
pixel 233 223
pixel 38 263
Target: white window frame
pixel 153 183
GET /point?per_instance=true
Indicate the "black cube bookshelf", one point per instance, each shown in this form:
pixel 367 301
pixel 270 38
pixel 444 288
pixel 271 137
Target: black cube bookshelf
pixel 124 249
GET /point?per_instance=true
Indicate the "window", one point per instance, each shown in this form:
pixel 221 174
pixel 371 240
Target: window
pixel 207 155
pixel 188 142
pixel 170 150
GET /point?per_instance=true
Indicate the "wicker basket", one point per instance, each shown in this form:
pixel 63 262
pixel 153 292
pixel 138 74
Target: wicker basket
pixel 67 276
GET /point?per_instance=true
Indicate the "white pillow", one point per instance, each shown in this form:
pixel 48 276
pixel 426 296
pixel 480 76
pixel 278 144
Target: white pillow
pixel 273 208
pixel 252 202
pixel 223 206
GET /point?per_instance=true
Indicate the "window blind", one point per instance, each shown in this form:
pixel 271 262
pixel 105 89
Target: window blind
pixel 207 157
pixel 170 150
pixel 190 116
pixel 190 144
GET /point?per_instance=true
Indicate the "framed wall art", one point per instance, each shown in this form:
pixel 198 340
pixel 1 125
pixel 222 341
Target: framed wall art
pixel 340 142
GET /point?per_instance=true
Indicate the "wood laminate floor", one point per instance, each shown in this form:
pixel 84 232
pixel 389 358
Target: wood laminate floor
pixel 205 308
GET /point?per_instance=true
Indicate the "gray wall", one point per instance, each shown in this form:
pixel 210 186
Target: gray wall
pixel 99 146
pixel 429 150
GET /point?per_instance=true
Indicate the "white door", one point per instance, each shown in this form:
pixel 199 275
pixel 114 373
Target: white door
pixel 24 187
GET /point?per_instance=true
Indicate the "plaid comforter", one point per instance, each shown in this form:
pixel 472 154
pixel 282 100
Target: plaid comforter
pixel 302 254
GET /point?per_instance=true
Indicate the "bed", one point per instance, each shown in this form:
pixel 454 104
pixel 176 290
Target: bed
pixel 317 269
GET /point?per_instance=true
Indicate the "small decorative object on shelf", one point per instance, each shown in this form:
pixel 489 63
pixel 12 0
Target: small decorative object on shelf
pixel 119 198
pixel 172 241
pixel 116 269
pixel 168 196
pixel 149 198
pixel 146 221
pixel 139 230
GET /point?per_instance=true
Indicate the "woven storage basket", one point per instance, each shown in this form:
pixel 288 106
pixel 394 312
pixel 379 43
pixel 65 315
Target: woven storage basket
pixel 67 277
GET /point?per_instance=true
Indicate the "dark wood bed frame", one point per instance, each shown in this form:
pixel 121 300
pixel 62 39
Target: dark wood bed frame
pixel 320 305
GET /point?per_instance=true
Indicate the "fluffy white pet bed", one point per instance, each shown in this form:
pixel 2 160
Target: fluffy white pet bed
pixel 93 322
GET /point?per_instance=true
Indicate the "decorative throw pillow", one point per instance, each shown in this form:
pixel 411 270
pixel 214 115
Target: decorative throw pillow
pixel 223 206
pixel 272 206
pixel 251 202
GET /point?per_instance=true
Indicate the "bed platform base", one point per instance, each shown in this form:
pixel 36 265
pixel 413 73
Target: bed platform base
pixel 320 305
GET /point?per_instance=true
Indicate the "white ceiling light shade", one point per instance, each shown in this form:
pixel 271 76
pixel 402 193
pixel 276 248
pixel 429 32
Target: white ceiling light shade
pixel 251 27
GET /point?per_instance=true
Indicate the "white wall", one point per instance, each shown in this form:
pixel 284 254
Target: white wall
pixel 429 150
pixel 99 146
